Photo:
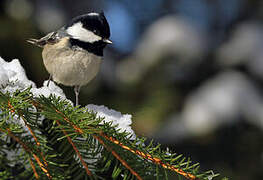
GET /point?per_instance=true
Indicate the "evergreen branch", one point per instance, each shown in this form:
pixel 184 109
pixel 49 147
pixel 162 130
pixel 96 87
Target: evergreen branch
pixel 146 156
pixel 27 149
pixel 151 158
pixel 114 153
pixel 141 154
pixel 72 137
pixel 34 168
pixel 78 130
pixel 12 110
pixel 77 151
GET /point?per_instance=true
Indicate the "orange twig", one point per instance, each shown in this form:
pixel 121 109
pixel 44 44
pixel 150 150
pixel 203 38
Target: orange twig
pixel 10 106
pixel 42 166
pixel 124 163
pixel 34 169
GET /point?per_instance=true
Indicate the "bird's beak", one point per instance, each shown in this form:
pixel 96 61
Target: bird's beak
pixel 107 41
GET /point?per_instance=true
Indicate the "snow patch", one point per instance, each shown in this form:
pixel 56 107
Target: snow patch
pixel 123 121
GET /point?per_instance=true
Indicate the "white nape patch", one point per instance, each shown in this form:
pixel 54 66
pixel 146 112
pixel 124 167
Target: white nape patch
pixel 77 31
pixel 93 14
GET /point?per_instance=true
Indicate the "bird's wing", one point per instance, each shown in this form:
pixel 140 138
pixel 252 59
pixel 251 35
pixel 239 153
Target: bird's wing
pixel 50 38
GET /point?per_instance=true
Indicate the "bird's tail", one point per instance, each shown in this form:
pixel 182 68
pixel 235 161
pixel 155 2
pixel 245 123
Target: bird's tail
pixel 49 38
pixel 36 42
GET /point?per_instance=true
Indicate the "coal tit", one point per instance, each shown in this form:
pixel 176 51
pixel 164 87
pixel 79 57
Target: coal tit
pixel 72 55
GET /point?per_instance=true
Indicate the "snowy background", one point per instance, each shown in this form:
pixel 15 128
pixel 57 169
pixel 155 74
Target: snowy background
pixel 190 72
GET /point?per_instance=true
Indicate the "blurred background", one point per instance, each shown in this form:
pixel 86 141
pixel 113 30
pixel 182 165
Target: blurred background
pixel 189 71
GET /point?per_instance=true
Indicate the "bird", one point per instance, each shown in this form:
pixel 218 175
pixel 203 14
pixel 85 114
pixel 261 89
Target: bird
pixel 72 55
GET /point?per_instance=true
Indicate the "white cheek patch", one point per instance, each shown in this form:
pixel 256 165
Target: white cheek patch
pixel 78 32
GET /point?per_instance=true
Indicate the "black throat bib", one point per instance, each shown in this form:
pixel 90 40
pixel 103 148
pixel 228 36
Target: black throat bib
pixel 94 48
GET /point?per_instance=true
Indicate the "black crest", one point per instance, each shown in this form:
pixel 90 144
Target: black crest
pixel 95 22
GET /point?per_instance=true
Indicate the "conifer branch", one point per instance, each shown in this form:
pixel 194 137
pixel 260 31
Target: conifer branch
pixel 114 153
pixel 34 168
pixel 27 149
pixel 79 130
pixel 12 110
pixel 68 132
pixel 77 151
pixel 151 158
pixel 143 155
